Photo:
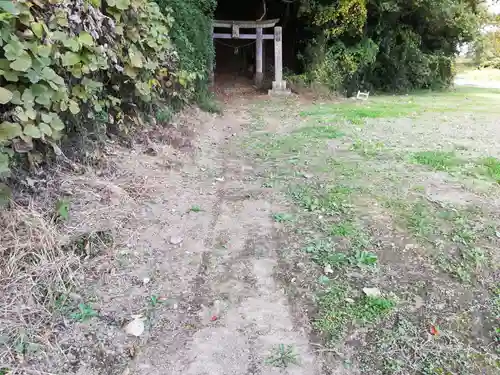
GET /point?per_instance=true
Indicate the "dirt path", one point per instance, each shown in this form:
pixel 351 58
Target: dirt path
pixel 229 312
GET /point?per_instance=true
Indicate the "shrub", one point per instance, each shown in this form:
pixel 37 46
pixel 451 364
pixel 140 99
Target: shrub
pixel 64 63
pixel 394 45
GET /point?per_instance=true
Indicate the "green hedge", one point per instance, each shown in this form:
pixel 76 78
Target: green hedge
pixel 67 62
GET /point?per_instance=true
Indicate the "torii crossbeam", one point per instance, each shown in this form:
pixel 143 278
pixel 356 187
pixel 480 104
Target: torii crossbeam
pixel 279 85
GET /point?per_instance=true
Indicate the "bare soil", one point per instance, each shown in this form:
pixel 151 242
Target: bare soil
pixel 183 231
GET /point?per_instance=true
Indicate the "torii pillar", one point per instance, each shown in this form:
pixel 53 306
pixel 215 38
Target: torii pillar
pixel 279 85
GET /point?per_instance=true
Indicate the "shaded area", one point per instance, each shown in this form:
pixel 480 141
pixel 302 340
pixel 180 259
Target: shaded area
pixel 237 57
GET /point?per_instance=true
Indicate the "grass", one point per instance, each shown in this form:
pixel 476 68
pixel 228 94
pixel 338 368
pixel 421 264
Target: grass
pixel 492 167
pixel 323 252
pixel 326 199
pixel 357 112
pixel 423 252
pixel 85 312
pixel 283 356
pixel 282 218
pixel 465 264
pixel 368 149
pixel 437 160
pixel 339 308
pixel 407 348
pixel 319 132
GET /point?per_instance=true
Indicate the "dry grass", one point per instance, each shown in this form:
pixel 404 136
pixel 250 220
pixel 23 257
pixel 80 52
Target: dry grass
pixel 34 272
pixel 42 261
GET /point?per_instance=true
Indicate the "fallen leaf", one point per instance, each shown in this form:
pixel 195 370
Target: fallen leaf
pixel 434 330
pixel 176 240
pixel 372 292
pixel 135 327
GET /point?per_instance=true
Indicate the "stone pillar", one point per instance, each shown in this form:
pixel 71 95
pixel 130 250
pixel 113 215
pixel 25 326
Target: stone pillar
pixel 259 56
pixel 279 86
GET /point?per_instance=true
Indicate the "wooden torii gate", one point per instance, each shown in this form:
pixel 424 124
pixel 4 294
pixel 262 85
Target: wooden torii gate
pixel 279 85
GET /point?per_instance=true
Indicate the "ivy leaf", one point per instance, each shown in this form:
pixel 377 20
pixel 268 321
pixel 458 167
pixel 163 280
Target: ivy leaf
pixel 37 28
pixel 9 130
pixel 9 6
pixel 5 95
pixel 74 108
pixel 119 4
pixel 45 129
pixel 39 89
pixel 86 39
pixel 33 76
pixel 135 58
pixel 44 51
pixel 28 99
pixel 13 49
pixel 70 59
pixel 129 71
pixel 44 100
pixel 73 44
pixel 46 117
pixel 22 63
pixel 56 123
pixel 48 74
pixel 31 113
pixel 32 131
pixel 21 114
pixel 11 75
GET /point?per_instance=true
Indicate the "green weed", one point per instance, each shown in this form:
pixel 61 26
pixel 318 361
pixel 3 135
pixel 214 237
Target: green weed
pixel 465 264
pixel 84 313
pixel 283 356
pixel 365 259
pixel 154 300
pixel 281 218
pixel 438 160
pixel 343 229
pixel 62 210
pixel 421 221
pixel 5 371
pixel 319 132
pixel 328 200
pixel 195 209
pixel 367 149
pixel 337 311
pixel 323 252
pixel 492 167
pixel 164 115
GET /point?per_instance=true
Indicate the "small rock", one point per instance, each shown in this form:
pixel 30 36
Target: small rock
pixel 75 297
pixel 419 302
pixel 176 240
pixel 349 300
pixel 136 326
pixel 328 269
pixel 220 179
pixel 146 280
pixel 372 292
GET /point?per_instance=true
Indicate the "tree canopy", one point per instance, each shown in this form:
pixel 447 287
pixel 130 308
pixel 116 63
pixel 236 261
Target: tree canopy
pixel 388 44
